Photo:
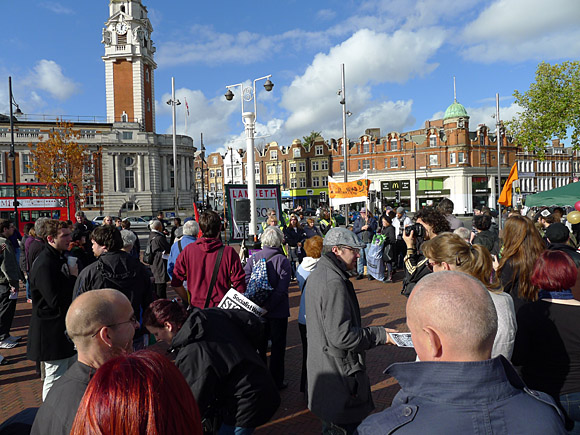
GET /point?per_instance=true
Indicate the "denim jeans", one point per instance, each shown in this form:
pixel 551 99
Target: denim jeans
pixel 570 404
pixel 362 260
pixel 226 429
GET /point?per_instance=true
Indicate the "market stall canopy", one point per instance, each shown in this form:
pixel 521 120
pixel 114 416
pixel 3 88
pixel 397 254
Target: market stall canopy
pixel 564 196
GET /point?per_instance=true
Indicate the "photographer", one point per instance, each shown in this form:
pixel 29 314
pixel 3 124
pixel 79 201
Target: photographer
pixel 428 223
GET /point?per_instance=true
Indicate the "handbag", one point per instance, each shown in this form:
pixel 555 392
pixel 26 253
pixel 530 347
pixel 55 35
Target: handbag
pixel 148 255
pixel 259 289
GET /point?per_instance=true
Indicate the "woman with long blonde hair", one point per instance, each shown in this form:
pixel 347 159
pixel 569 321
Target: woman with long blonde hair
pixel 449 251
pixel 522 245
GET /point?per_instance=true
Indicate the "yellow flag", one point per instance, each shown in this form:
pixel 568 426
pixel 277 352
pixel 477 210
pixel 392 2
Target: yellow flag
pixel 505 198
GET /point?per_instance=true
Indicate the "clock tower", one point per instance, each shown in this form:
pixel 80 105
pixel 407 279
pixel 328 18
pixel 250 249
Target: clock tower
pixel 129 64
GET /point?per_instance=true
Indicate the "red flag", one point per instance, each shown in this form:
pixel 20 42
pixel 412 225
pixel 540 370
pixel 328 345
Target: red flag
pixel 186 106
pixel 196 214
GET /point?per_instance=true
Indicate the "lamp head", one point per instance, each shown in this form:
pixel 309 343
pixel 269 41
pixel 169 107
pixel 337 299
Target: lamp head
pixel 229 95
pixel 18 112
pixel 169 102
pixel 268 85
pixel 11 156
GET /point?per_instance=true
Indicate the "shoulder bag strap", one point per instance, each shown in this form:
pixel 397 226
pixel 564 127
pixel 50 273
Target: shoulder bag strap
pixel 214 276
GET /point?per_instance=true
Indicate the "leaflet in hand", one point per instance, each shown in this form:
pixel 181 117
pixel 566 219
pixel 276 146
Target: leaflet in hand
pixel 234 300
pixel 402 339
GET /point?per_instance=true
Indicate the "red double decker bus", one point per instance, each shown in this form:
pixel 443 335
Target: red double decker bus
pixel 36 200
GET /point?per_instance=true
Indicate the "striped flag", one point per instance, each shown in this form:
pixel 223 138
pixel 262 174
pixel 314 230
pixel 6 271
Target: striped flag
pixel 186 106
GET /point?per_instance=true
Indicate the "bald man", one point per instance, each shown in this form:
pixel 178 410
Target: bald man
pixel 101 324
pixel 456 388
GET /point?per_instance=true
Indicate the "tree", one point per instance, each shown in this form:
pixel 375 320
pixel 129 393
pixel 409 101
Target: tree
pixel 59 161
pixel 551 107
pixel 309 140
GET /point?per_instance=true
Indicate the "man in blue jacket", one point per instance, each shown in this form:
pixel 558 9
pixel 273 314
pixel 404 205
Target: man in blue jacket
pixel 456 388
pixel 190 231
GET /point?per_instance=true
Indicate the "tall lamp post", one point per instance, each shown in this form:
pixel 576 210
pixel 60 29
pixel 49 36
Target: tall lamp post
pixel 249 120
pixel 345 113
pixel 173 102
pixel 498 137
pixel 12 154
pixel 202 148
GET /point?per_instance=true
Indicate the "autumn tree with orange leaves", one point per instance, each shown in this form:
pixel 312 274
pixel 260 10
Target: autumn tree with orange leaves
pixel 59 160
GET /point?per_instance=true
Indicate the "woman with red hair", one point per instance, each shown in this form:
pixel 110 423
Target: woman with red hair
pixel 138 394
pixel 547 346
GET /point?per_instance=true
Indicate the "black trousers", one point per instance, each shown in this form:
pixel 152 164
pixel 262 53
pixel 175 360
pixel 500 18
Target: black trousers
pixel 7 310
pixel 303 378
pixel 278 329
pixel 161 290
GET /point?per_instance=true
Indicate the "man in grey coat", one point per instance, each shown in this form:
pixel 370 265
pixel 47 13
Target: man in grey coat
pixel 338 387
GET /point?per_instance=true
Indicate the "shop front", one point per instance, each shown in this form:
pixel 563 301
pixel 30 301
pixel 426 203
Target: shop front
pixel 307 197
pixel 480 192
pixel 431 192
pixel 396 193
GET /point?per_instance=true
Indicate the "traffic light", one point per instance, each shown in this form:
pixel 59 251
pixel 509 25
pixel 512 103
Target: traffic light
pixel 398 196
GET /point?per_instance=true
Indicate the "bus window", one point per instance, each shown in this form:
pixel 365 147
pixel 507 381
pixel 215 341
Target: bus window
pixel 25 216
pixel 5 214
pixel 56 214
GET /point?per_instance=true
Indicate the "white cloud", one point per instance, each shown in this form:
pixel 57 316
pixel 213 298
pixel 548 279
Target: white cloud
pixel 57 8
pixel 370 58
pixel 518 30
pixel 47 75
pixel 326 14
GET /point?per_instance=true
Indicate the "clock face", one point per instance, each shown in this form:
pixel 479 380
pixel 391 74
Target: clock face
pixel 121 28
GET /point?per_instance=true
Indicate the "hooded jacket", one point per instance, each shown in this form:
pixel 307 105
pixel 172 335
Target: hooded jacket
pixel 120 271
pixel 216 353
pixel 195 265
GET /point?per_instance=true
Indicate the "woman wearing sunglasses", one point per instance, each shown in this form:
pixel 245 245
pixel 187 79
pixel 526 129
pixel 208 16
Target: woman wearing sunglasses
pixel 448 251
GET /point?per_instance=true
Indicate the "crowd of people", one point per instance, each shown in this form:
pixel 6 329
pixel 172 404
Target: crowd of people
pixel 492 317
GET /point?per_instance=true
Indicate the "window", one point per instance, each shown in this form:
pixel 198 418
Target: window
pixel 218 173
pixel 236 172
pixel 301 166
pixel 402 162
pixel 366 164
pixel 315 165
pixel 303 182
pixel 358 165
pixel 214 160
pixel 229 173
pixel 482 158
pixel 341 166
pixel 25 163
pixel 393 144
pixel 502 159
pixel 296 153
pixel 432 141
pixel 279 168
pixel 271 169
pixel 461 158
pixel 324 181
pixel 171 179
pixel 386 163
pixel 89 195
pixel 324 165
pixel 198 174
pixel 129 179
pixel 433 160
pixel 293 183
pixel 127 135
pixel 452 158
pixel 394 162
pixel 318 150
pixel 212 187
pixel 271 181
pixel 292 167
pixel 274 155
pixel 148 105
pixel 129 161
pixel 315 182
pixel 366 149
pixel 211 173
pixel 147 75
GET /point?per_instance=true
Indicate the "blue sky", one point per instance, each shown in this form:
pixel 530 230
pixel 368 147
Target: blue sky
pixel 400 57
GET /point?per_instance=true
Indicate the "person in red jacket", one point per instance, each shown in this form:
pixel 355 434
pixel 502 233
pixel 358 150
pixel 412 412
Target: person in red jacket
pixel 196 264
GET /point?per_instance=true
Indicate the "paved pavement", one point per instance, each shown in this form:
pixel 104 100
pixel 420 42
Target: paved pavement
pixel 381 304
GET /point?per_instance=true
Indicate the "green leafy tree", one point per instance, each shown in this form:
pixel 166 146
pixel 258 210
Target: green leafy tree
pixel 309 140
pixel 551 108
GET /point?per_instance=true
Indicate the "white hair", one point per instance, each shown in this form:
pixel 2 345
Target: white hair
pixel 129 238
pixel 191 228
pixel 272 237
pixel 464 233
pixel 156 225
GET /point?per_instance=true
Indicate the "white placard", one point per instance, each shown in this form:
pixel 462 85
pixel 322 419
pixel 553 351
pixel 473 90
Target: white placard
pixel 402 339
pixel 234 300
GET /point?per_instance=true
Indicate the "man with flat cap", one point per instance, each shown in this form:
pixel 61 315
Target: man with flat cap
pixel 101 323
pixel 456 388
pixel 339 390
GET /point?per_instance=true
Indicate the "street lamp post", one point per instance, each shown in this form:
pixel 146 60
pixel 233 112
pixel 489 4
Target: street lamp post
pixel 498 138
pixel 249 120
pixel 173 102
pixel 12 154
pixel 202 148
pixel 342 93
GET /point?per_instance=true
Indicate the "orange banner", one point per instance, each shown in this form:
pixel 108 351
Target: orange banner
pixel 352 189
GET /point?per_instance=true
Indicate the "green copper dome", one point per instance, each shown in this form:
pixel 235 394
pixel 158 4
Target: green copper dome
pixel 456 110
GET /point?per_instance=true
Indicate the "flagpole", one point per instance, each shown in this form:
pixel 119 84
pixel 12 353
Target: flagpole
pixel 185 114
pixel 498 138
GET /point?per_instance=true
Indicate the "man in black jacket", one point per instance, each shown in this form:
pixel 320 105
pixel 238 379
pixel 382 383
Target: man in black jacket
pixel 101 323
pixel 116 269
pixel 51 286
pixel 159 247
pixel 558 237
pixel 217 354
